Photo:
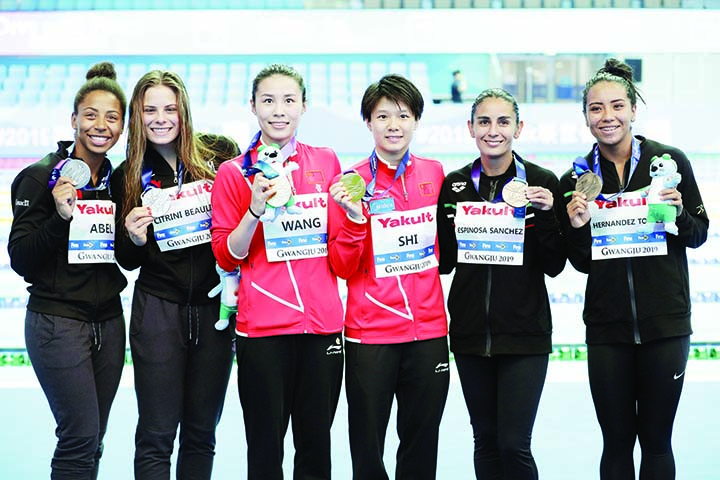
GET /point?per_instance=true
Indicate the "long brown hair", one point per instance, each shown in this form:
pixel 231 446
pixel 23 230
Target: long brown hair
pixel 185 146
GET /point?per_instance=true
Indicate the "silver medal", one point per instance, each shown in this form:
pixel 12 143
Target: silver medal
pixel 77 171
pixel 158 201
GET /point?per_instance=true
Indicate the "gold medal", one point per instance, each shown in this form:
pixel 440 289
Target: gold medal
pixel 354 184
pixel 283 192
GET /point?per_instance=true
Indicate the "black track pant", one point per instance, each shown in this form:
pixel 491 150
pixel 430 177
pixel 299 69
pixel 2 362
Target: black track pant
pixel 283 377
pixel 502 394
pixel 636 390
pixel 182 368
pixel 79 365
pixel 418 375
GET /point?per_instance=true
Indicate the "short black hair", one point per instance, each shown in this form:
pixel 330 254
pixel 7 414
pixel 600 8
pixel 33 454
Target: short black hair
pixel 395 88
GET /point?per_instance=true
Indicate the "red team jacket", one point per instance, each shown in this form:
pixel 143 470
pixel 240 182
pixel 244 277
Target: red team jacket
pixel 394 309
pixel 285 297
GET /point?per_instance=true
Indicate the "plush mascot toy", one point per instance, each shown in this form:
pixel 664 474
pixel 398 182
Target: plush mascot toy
pixel 228 290
pixel 664 174
pixel 271 163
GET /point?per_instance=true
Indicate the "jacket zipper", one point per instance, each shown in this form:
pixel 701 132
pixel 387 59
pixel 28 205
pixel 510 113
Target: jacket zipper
pixel 97 281
pixel 633 304
pixel 493 189
pixel 488 340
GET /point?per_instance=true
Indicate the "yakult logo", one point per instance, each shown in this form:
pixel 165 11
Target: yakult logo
pixel 96 209
pixel 499 209
pixel 621 202
pixel 202 189
pixel 406 220
pixel 315 202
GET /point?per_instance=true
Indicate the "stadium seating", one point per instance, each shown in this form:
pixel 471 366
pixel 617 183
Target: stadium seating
pixel 53 5
pixel 213 82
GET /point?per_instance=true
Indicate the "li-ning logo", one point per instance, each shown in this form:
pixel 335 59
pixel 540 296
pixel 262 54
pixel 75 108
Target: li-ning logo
pixel 335 349
pixel 458 187
pixel 442 367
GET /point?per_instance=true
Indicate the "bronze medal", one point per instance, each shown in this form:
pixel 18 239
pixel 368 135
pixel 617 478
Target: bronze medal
pixel 514 193
pixel 589 184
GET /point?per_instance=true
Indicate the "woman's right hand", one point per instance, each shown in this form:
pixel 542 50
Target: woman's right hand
pixel 578 211
pixel 65 197
pixel 136 224
pixel 262 190
pixel 339 193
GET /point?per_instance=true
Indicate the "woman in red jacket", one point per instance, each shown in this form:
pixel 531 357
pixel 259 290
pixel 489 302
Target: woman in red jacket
pixel 289 318
pixel 395 324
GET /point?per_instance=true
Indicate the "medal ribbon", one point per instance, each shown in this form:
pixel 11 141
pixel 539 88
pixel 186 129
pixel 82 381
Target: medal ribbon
pixel 580 165
pixel 247 167
pixel 104 182
pixel 373 161
pixel 521 175
pixel 287 151
pixel 147 173
pixel 55 174
pixel 476 171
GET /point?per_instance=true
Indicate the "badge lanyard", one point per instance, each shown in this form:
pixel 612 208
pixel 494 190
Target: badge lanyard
pixel 476 171
pixel 373 161
pixel 147 173
pixel 580 165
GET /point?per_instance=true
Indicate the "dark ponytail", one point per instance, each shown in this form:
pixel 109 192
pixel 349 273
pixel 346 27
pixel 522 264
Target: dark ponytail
pixel 614 71
pixel 101 76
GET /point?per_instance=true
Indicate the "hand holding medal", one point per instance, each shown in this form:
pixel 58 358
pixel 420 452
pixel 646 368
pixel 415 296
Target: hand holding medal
pixel 282 192
pixel 347 192
pixel 73 175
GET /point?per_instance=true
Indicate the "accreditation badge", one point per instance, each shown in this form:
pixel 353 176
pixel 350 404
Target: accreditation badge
pixel 404 241
pixel 489 233
pixel 619 228
pixel 92 237
pixel 188 218
pixel 294 236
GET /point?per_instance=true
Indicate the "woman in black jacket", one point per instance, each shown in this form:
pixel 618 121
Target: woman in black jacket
pixel 637 298
pixel 61 243
pixel 498 229
pixel 181 362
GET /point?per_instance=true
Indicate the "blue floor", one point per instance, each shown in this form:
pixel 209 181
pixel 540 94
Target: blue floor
pixel 566 442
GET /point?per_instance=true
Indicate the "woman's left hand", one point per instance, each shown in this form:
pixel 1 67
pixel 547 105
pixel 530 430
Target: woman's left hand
pixel 672 196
